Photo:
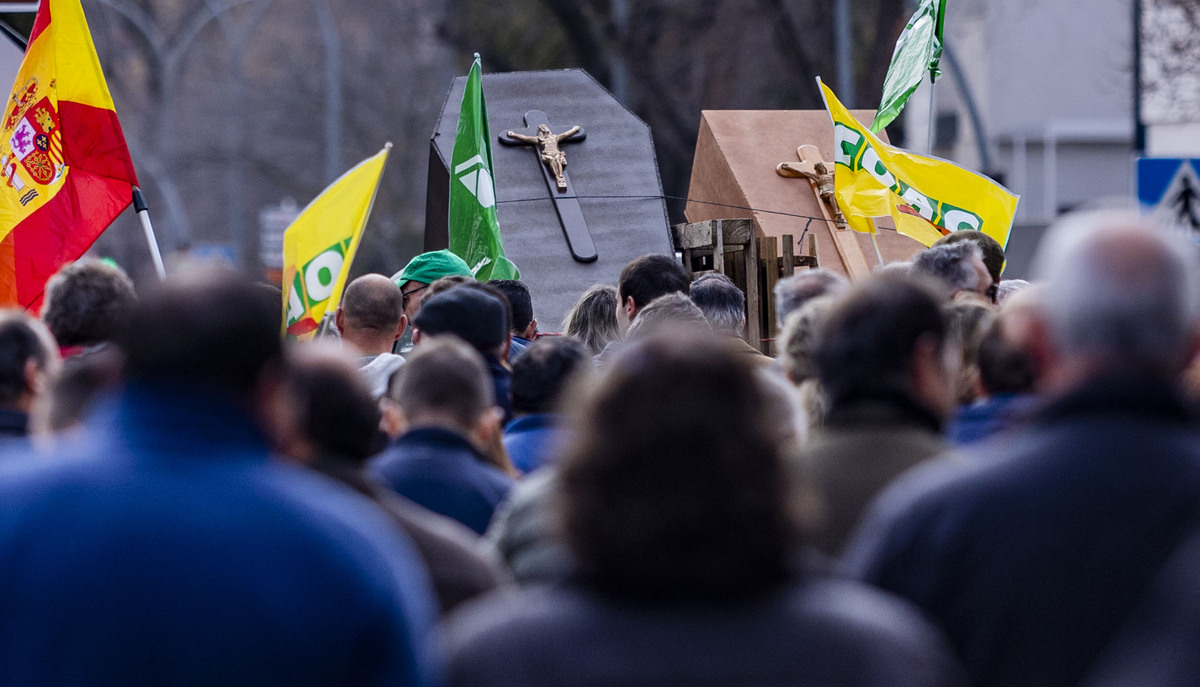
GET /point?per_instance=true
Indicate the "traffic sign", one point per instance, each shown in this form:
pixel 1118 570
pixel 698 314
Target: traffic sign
pixel 1171 186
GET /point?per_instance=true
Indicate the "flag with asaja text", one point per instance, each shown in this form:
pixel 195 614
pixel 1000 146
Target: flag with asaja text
pixel 65 166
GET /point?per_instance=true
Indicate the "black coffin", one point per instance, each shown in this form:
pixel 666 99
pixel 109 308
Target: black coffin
pixel 613 172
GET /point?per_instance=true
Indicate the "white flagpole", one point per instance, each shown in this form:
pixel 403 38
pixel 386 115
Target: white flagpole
pixel 878 253
pixel 929 140
pixel 143 213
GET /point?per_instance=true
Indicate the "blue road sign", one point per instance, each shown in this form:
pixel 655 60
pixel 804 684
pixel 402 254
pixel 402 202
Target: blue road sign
pixel 1171 186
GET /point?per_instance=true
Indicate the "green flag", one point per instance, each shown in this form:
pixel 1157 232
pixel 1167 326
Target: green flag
pixel 474 231
pixel 917 51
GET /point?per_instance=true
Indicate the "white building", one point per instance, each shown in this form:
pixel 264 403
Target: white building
pixel 1051 82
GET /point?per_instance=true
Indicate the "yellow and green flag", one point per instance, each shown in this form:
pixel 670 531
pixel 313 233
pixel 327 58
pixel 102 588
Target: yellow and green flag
pixel 319 246
pixel 927 197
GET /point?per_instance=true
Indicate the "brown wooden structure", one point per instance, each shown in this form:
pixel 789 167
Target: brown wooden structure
pixel 755 264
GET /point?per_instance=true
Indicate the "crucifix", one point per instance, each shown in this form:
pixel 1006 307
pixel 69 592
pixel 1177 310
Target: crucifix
pixel 553 162
pixel 820 177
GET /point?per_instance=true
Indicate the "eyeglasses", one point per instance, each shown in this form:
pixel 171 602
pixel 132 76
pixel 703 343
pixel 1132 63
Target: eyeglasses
pixel 410 292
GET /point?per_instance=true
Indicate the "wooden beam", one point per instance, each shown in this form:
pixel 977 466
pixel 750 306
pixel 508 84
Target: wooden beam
pixel 736 232
pixel 754 328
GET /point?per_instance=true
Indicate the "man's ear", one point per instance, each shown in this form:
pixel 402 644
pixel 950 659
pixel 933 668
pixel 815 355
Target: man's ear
pixel 630 308
pixel 35 378
pixel 339 319
pixel 487 427
pixel 530 331
pixel 399 328
pixel 417 337
pixel 392 420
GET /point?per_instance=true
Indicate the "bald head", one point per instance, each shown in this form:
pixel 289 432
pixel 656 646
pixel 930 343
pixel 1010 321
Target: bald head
pixel 372 314
pixel 1121 291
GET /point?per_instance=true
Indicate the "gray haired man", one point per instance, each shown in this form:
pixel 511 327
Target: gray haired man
pixel 1030 553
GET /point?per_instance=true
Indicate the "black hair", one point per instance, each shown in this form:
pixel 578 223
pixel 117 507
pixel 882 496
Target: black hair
pixel 866 344
pixel 518 299
pixel 19 344
pixel 651 276
pixel 1004 367
pixel 543 371
pixel 86 301
pixel 661 503
pixel 212 328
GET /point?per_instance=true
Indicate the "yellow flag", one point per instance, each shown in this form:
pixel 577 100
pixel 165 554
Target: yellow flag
pixel 319 246
pixel 927 197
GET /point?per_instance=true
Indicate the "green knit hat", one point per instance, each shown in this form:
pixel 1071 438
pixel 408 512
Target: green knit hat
pixel 429 267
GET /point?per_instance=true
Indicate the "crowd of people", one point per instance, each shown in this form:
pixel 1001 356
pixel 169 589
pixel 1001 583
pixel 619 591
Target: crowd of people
pixel 943 477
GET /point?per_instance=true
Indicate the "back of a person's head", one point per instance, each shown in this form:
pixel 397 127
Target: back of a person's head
pixel 1008 288
pixel 75 389
pixel 1004 366
pixel 444 381
pixel 721 301
pixel 794 291
pixel 867 341
pixel 372 303
pixel 948 266
pixel 332 403
pixel 211 329
pixel 443 284
pixel 672 313
pixel 24 342
pixel 663 505
pixel 971 320
pixel 518 299
pixel 543 371
pixel 799 338
pixel 473 312
pixel 593 318
pixel 990 249
pixel 651 276
pixel 86 301
pixel 1120 290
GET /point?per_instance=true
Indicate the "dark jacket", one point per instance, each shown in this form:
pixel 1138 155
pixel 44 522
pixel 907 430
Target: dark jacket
pixel 859 450
pixel 451 553
pixel 170 550
pixel 13 424
pixel 502 385
pixel 1032 551
pixel 824 633
pixel 444 472
pixel 533 441
pixel 1160 643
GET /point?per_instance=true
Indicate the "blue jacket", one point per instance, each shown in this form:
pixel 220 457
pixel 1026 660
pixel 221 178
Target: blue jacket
pixel 501 384
pixel 998 413
pixel 444 472
pixel 533 441
pixel 169 550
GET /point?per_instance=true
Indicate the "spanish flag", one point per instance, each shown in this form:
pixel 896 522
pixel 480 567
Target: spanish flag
pixel 65 166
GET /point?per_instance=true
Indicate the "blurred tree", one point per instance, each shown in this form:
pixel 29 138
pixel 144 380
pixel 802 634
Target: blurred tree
pixel 682 56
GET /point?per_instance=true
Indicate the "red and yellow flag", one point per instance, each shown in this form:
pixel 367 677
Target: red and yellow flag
pixel 65 168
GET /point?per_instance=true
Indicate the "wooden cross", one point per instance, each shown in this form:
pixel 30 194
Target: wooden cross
pixel 553 162
pixel 820 177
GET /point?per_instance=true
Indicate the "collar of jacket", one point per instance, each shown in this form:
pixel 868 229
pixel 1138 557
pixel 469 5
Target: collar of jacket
pixel 495 365
pixel 527 423
pixel 439 437
pixel 185 420
pixel 885 408
pixel 1119 394
pixel 13 423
